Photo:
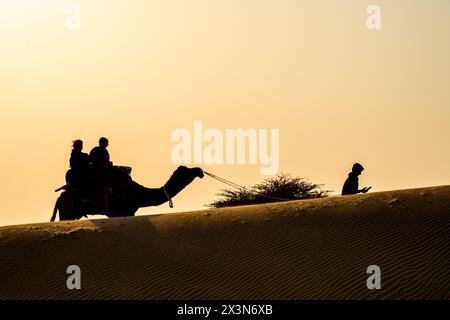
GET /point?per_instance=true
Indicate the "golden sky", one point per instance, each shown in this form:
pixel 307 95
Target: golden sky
pixel 137 70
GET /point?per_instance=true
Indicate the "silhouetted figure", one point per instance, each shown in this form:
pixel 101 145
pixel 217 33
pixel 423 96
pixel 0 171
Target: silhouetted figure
pixel 78 159
pixel 351 184
pixel 100 155
pixel 102 168
pixel 76 177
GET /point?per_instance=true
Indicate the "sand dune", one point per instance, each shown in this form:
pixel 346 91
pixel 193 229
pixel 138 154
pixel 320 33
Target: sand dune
pixel 314 249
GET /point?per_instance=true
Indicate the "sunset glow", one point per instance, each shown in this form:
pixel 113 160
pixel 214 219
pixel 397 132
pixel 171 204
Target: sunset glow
pixel 135 71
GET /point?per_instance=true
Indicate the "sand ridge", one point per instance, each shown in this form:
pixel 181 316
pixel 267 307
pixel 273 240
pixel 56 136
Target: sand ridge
pixel 310 249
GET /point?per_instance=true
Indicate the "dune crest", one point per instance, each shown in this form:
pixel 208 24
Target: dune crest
pixel 310 249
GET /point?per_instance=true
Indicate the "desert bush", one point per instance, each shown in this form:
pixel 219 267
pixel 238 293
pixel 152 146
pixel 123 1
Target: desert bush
pixel 282 187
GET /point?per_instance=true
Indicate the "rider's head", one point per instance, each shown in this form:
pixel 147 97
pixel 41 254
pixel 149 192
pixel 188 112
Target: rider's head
pixel 103 142
pixel 77 145
pixel 357 168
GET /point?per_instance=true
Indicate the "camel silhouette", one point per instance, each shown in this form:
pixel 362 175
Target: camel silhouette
pixel 117 195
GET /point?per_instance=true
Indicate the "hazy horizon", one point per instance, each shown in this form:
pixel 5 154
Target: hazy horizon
pixel 338 92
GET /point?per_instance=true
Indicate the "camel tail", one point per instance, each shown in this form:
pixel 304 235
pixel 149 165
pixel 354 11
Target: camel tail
pixel 55 210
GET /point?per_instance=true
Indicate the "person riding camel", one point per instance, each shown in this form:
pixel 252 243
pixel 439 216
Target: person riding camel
pixel 102 167
pixel 79 167
pixel 78 159
pixel 99 155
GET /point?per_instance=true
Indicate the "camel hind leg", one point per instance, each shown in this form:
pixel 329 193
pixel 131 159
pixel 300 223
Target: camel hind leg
pixel 68 207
